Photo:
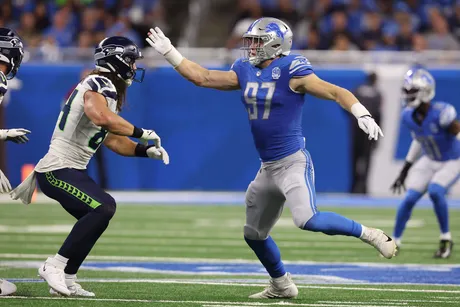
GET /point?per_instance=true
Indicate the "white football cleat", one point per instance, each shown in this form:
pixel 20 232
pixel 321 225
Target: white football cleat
pixel 52 271
pixel 6 287
pixel 281 287
pixel 75 290
pixel 381 241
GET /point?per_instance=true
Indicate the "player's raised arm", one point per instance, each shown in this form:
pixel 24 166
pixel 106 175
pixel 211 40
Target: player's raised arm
pixel 96 109
pixel 200 76
pixel 312 84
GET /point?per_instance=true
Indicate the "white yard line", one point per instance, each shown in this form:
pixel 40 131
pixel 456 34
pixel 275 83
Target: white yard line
pixel 223 283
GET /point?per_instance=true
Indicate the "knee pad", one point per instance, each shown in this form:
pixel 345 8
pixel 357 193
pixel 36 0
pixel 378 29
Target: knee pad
pixel 254 234
pixel 436 191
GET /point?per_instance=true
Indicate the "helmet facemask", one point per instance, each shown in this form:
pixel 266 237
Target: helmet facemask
pixel 259 48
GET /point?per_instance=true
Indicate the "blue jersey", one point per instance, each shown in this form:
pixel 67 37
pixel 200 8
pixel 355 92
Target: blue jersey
pixel 274 109
pixel 437 142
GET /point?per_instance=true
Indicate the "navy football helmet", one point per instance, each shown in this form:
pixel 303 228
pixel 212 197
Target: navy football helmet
pixel 118 54
pixel 11 51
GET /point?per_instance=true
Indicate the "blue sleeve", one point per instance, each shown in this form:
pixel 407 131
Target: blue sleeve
pixel 300 67
pixel 236 66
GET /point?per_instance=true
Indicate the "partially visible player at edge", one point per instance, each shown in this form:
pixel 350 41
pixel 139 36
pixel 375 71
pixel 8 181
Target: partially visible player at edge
pixel 88 119
pixel 274 83
pixel 436 137
pixel 11 54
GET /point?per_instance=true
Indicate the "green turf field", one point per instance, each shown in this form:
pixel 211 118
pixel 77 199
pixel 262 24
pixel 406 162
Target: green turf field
pixel 143 234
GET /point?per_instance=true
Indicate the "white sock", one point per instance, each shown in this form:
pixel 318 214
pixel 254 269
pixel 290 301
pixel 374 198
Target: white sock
pixel 70 279
pixel 71 276
pixel 61 259
pixel 363 231
pixel 397 241
pixel 446 236
pixel 280 278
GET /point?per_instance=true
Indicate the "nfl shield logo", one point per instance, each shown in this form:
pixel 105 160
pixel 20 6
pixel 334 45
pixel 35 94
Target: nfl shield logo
pixel 276 73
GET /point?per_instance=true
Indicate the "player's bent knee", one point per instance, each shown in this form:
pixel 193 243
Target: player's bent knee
pixel 436 191
pixel 301 220
pixel 108 207
pixel 254 234
pixel 412 196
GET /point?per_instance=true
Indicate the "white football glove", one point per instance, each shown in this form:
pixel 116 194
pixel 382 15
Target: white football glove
pixel 150 135
pixel 163 46
pixel 5 185
pixel 368 125
pixel 159 154
pixel 15 135
pixel 159 41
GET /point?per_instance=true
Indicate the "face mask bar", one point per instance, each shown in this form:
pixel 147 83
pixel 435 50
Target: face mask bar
pixel 253 48
pixel 139 75
pixel 410 95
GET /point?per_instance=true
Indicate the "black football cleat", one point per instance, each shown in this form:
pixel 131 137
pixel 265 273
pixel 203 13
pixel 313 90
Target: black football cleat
pixel 445 249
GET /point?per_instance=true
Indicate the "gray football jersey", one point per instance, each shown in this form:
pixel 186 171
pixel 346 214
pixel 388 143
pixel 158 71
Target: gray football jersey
pixel 76 138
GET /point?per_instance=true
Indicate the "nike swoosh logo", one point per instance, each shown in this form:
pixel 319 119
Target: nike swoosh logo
pixel 389 239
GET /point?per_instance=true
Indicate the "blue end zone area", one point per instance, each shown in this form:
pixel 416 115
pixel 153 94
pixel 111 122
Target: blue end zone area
pixel 303 273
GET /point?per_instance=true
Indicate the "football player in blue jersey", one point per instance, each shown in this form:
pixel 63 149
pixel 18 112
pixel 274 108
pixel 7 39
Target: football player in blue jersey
pixel 273 85
pixel 436 134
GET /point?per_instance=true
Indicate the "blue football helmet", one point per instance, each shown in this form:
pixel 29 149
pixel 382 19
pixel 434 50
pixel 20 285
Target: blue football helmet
pixel 11 51
pixel 419 87
pixel 118 54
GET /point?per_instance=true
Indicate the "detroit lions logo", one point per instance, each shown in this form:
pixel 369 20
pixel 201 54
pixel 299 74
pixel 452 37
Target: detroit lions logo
pixel 276 73
pixel 273 27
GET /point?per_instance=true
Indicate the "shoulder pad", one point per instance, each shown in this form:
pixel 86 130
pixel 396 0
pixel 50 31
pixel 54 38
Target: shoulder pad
pixel 101 85
pixel 299 66
pixel 447 115
pixel 236 64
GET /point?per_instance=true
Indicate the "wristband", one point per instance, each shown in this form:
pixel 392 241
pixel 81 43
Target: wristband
pixel 137 132
pixel 141 150
pixel 174 57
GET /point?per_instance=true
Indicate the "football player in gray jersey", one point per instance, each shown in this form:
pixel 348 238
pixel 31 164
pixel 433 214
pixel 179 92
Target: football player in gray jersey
pixel 88 119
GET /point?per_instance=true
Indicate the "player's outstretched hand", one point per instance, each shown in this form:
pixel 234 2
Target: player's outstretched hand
pixel 398 186
pixel 150 135
pixel 368 125
pixel 159 154
pixel 15 135
pixel 5 185
pixel 159 41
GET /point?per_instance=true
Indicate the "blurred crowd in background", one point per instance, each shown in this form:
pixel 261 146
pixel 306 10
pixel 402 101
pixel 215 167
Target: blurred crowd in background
pixel 317 24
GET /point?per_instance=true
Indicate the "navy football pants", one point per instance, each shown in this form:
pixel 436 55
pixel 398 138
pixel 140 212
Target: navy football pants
pixel 80 196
